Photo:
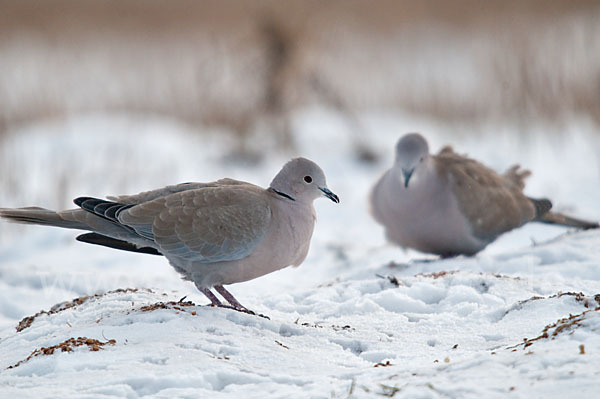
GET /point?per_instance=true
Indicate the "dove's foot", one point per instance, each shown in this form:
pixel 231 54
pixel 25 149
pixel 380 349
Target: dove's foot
pixel 245 310
pixel 233 303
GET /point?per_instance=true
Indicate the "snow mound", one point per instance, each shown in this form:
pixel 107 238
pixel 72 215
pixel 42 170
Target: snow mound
pixel 425 328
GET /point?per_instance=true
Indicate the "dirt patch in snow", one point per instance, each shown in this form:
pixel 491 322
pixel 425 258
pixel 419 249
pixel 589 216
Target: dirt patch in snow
pixel 93 345
pixel 28 321
pixel 561 326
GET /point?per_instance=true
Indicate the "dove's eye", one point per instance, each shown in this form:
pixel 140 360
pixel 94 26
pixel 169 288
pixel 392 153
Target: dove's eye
pixel 307 179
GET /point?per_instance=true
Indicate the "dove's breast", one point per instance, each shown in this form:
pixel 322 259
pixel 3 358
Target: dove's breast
pixel 286 243
pixel 424 216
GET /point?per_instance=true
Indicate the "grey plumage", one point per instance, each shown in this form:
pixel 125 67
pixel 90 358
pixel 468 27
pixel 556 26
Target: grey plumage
pixel 448 204
pixel 216 233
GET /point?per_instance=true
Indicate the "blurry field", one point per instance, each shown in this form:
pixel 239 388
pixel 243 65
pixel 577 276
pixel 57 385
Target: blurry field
pixel 76 77
pixel 245 65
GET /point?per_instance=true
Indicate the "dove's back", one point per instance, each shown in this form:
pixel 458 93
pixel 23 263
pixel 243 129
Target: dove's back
pixel 491 203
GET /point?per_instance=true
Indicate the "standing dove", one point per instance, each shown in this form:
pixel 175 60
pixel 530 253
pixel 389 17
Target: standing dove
pixel 214 234
pixel 448 204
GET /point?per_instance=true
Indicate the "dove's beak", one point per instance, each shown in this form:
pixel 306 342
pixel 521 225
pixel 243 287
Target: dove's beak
pixel 407 173
pixel 327 193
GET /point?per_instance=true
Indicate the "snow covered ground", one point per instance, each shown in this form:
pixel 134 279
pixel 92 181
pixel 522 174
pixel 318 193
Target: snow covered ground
pixel 360 318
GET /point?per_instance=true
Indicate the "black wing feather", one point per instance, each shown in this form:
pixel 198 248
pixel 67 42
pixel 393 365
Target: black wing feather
pixel 99 239
pixel 108 210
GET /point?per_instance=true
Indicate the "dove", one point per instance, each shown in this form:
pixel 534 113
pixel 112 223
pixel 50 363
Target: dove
pixel 213 234
pixel 449 205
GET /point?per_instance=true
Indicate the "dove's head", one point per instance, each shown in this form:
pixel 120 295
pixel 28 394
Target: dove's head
pixel 302 180
pixel 412 152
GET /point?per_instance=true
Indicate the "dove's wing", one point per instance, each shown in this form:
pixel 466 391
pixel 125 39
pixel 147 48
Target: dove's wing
pixel 168 190
pixel 210 224
pixel 492 203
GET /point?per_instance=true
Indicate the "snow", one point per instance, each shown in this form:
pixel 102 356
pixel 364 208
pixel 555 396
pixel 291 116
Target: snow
pixel 359 318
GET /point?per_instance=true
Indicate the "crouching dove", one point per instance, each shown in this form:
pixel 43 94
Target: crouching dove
pixel 214 234
pixel 448 204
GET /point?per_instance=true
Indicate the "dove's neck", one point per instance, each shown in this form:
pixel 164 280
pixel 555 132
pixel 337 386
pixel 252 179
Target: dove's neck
pixel 282 194
pixel 297 202
pixel 290 194
pixel 282 187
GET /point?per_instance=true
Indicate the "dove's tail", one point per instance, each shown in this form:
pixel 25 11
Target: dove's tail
pixel 74 219
pixel 542 206
pixel 46 217
pixel 559 218
pixel 544 215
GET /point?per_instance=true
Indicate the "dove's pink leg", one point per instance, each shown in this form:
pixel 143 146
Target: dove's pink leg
pixel 213 299
pixel 229 297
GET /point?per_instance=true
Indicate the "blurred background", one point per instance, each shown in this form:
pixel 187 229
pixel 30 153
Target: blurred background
pixel 112 96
